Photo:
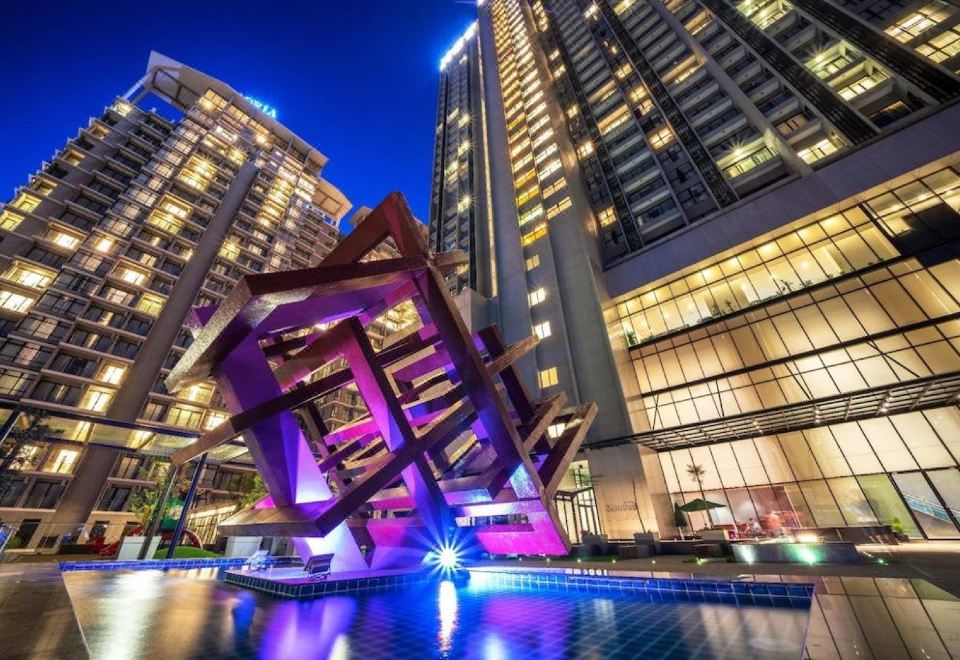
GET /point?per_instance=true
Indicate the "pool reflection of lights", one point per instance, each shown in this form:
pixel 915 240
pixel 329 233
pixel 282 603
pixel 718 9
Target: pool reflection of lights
pixel 448 606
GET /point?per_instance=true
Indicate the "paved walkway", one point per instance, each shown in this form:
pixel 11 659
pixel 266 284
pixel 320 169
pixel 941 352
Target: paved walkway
pixel 36 616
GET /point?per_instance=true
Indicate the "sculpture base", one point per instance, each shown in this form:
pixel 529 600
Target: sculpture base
pixel 293 582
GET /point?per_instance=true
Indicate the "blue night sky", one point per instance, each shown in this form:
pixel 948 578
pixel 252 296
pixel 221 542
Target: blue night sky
pixel 355 78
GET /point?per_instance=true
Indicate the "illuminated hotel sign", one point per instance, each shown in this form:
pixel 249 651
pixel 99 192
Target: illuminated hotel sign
pixel 265 108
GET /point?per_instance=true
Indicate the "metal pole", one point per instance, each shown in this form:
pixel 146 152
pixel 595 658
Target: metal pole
pixel 5 429
pixel 187 503
pixel 159 511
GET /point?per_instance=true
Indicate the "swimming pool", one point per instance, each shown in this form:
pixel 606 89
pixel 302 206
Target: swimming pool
pixel 193 614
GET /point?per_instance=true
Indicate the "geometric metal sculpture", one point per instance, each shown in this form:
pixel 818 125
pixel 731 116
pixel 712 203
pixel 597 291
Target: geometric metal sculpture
pixel 453 449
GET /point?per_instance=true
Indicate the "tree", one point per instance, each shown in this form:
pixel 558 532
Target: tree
pixel 14 450
pixel 697 472
pixel 253 492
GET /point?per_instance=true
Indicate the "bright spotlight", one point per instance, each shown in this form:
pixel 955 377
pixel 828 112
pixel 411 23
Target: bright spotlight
pixel 448 558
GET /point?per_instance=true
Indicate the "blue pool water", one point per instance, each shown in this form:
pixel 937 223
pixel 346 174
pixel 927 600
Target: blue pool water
pixel 192 614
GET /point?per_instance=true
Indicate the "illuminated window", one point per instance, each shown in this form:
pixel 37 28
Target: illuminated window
pixel 533 262
pixel 132 275
pixel 122 108
pixel 463 148
pixel 62 461
pixel 198 173
pixel 112 373
pixel 25 202
pixel 862 84
pixel 585 149
pixel 10 220
pixel 531 215
pixel 14 301
pixel 96 399
pixel 943 46
pixel 537 296
pixel 623 71
pixel 150 304
pixel 607 216
pixel 213 420
pixel 661 138
pixel 230 250
pixel 542 330
pixel 548 377
pixel 72 157
pixel 63 239
pixel 556 430
pixel 531 237
pixel 29 275
pixel 917 22
pixel 198 393
pixel 554 187
pixel 557 208
pixel 821 149
pixel 464 203
pixel 614 120
pixel 104 245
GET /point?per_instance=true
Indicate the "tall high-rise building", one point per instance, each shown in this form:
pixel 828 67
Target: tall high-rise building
pixel 105 251
pixel 738 221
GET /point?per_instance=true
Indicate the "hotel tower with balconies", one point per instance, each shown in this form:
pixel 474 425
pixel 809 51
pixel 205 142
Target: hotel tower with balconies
pixel 134 222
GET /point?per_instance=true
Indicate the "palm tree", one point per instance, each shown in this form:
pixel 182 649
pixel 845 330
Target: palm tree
pixel 697 472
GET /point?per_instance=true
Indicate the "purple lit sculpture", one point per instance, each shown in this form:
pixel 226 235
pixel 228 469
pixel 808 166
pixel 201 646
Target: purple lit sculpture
pixel 453 444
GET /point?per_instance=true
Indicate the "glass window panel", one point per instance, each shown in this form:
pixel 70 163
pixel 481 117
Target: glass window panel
pixel 859 453
pixel 721 517
pixel 921 440
pixel 887 504
pixel 741 507
pixel 946 422
pixel 748 459
pixel 856 250
pixel 769 512
pixel 878 243
pixel 853 505
pixel 827 452
pixel 947 483
pixel 842 320
pixel 792 334
pixel 666 463
pixel 870 314
pixel 822 505
pixel 773 459
pixel 948 274
pixel 897 303
pixel 933 298
pixel 769 341
pixel 928 511
pixel 798 455
pixel 830 259
pixel 792 500
pixel 709 479
pixel 727 468
pixel 816 326
pixel 887 444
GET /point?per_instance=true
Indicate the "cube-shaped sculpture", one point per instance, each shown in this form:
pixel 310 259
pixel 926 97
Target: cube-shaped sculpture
pixel 453 450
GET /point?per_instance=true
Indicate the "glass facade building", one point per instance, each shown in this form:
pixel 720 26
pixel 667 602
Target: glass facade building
pixel 766 194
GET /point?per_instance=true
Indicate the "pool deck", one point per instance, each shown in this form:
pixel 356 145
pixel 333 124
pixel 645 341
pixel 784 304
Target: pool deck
pixel 36 616
pixel 37 619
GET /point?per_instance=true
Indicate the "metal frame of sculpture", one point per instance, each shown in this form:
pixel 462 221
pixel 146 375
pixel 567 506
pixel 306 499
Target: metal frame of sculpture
pixel 453 453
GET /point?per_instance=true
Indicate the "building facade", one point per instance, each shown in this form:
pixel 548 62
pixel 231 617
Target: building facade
pixel 766 194
pixel 134 222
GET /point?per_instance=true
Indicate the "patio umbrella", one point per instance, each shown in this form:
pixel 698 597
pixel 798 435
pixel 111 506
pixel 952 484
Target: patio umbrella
pixel 700 505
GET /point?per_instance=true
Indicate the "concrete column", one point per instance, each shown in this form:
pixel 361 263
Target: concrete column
pixel 513 312
pixel 81 495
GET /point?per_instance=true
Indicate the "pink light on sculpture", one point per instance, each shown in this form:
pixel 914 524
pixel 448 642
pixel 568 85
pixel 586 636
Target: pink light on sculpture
pixel 451 432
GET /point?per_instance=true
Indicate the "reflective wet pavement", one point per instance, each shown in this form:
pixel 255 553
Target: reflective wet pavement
pixel 190 614
pixel 131 615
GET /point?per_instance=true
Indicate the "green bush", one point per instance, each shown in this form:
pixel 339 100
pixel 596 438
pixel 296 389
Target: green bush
pixel 186 552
